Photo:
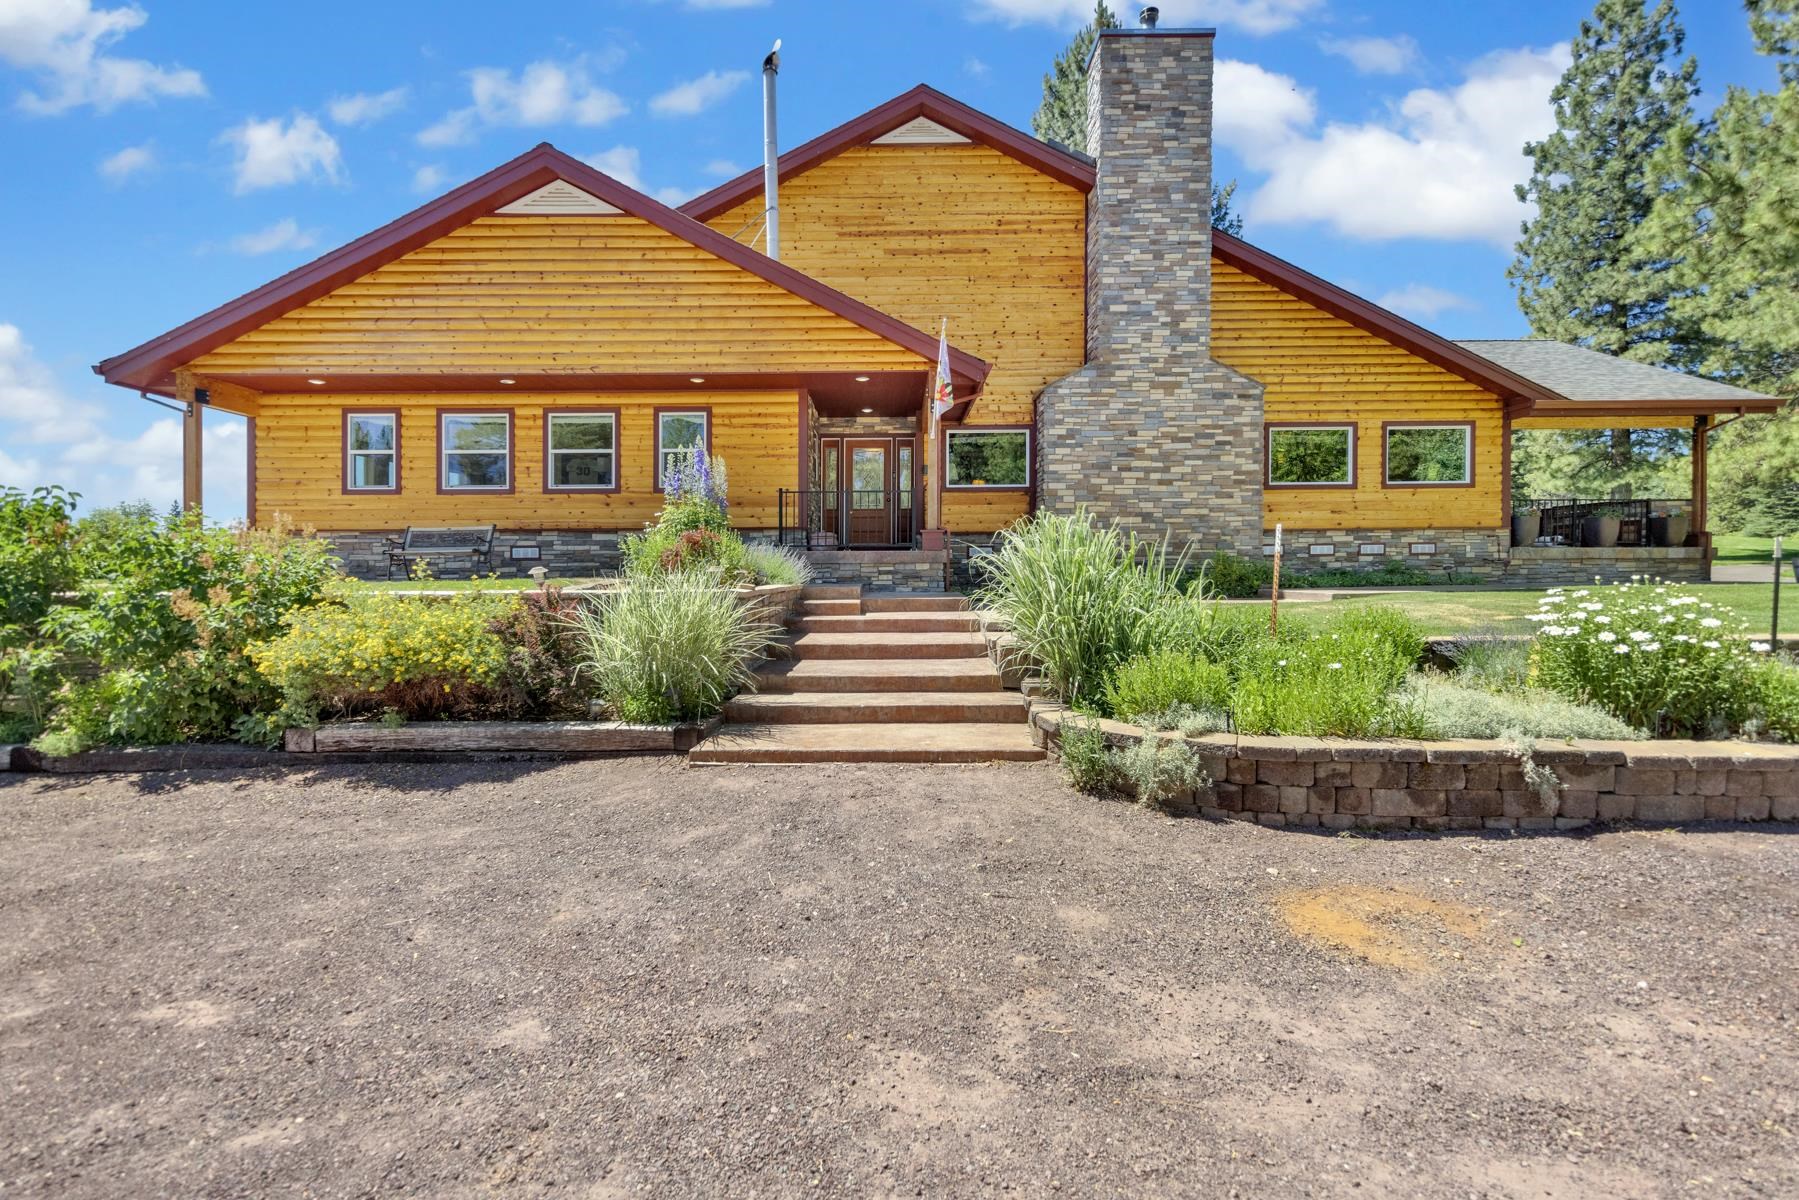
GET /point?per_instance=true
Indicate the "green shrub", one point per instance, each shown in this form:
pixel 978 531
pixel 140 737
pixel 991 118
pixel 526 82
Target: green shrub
pixel 1453 710
pixel 672 648
pixel 37 557
pixel 1340 678
pixel 372 651
pixel 1186 720
pixel 777 564
pixel 691 533
pixel 1776 703
pixel 1157 770
pixel 540 675
pixel 1237 578
pixel 1087 758
pixel 1391 572
pixel 1081 600
pixel 1156 683
pixel 1496 664
pixel 1655 656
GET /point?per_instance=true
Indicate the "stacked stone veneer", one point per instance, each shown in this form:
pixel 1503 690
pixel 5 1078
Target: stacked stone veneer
pixel 881 570
pixel 1485 554
pixel 1152 432
pixel 1470 785
pixel 565 553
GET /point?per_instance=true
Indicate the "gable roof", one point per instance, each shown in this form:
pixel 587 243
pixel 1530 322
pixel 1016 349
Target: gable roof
pixel 1519 391
pixel 1058 162
pixel 149 367
pixel 1591 379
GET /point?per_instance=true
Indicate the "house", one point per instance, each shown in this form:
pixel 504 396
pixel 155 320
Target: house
pixel 538 346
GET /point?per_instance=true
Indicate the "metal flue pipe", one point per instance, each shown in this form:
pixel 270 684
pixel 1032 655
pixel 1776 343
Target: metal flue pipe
pixel 771 156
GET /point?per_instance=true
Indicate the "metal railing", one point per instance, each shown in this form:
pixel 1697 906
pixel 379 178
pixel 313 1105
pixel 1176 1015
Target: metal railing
pixel 849 519
pixel 1564 518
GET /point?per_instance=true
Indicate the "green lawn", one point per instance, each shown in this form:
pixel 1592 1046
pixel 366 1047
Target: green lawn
pixel 1742 548
pixel 1444 612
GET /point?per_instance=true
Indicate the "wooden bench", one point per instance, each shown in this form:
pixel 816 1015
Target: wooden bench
pixel 423 542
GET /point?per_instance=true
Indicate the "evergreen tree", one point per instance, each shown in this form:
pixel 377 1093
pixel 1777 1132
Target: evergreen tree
pixel 1061 115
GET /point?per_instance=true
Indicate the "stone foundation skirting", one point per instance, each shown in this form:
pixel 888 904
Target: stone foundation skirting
pixel 1468 785
pixel 1485 554
pixel 564 553
pixel 881 570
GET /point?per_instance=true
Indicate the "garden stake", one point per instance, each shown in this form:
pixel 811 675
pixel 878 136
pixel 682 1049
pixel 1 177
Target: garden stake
pixel 1274 608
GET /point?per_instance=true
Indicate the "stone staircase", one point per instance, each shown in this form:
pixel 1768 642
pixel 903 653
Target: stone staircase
pixel 876 677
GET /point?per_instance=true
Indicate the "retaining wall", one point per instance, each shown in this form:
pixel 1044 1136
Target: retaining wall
pixel 1338 784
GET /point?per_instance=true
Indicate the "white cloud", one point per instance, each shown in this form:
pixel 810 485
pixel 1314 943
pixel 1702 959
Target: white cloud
pixel 365 108
pixel 1255 106
pixel 1374 55
pixel 61 42
pixel 544 93
pixel 1441 164
pixel 625 164
pixel 697 95
pixel 429 178
pixel 53 438
pixel 1421 301
pixel 974 68
pixel 1249 16
pixel 274 153
pixel 116 168
pixel 284 234
pixel 723 168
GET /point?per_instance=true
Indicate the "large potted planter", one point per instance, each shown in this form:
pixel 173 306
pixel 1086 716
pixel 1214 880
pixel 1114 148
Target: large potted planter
pixel 1527 526
pixel 1599 531
pixel 1671 529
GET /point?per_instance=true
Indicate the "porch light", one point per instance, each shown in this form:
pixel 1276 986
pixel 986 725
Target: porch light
pixel 868 410
pixel 696 379
pixel 316 382
pixel 509 381
pixel 861 379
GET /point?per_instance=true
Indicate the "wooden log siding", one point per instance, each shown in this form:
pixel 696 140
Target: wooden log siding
pixel 506 295
pixel 963 232
pixel 299 447
pixel 1318 367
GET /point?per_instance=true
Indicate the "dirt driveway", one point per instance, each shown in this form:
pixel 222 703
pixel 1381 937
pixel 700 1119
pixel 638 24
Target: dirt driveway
pixel 635 978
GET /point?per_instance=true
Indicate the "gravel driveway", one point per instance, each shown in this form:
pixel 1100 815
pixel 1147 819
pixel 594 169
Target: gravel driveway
pixel 637 978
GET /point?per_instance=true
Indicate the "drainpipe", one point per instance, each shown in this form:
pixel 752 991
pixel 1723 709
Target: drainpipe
pixel 771 155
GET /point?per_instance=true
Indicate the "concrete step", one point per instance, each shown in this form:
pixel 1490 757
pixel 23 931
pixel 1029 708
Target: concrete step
pixel 853 708
pixel 889 622
pixel 879 675
pixel 831 591
pixel 913 602
pixel 887 645
pixel 868 743
pixel 831 608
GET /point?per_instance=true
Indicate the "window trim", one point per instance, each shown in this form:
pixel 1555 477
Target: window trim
pixel 674 410
pixel 1030 458
pixel 1268 429
pixel 1386 434
pixel 549 455
pixel 511 451
pixel 350 489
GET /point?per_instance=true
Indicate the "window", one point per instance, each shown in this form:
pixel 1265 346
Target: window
pixel 987 458
pixel 678 436
pixel 1430 455
pixel 371 451
pixel 475 450
pixel 581 451
pixel 1311 456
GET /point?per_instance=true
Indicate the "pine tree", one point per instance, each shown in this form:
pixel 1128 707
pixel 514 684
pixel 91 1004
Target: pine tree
pixel 1580 276
pixel 1061 115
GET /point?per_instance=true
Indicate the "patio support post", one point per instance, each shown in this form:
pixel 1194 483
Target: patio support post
pixel 1701 427
pixel 192 428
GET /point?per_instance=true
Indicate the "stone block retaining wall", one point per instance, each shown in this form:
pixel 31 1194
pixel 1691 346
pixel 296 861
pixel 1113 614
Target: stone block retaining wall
pixel 1466 785
pixel 1485 554
pixel 881 570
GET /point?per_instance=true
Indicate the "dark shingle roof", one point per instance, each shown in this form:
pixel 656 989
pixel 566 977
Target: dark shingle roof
pixel 1589 376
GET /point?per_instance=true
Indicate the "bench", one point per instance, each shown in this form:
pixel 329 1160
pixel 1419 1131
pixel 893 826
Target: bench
pixel 473 542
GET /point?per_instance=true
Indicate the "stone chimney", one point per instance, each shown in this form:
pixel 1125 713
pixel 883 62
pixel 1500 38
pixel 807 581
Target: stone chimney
pixel 1152 433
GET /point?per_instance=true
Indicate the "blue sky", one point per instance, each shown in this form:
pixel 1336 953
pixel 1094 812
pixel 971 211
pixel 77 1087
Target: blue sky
pixel 164 157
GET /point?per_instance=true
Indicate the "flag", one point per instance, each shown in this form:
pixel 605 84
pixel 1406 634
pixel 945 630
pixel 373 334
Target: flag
pixel 944 398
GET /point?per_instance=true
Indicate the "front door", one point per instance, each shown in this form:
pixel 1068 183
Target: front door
pixel 868 471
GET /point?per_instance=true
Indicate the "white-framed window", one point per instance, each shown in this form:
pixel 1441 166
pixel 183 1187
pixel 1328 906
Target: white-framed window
pixel 475 451
pixel 1304 455
pixel 1423 454
pixel 987 458
pixel 680 434
pixel 371 451
pixel 581 451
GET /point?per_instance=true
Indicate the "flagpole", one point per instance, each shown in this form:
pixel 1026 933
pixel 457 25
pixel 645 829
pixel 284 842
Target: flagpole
pixel 933 459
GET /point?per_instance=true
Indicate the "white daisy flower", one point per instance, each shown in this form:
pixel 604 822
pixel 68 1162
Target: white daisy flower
pixel 1637 635
pixel 1620 648
pixel 1759 647
pixel 1606 635
pixel 1709 645
pixel 1710 622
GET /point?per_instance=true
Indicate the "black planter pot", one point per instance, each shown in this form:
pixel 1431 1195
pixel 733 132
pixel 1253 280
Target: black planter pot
pixel 1599 531
pixel 1670 530
pixel 1527 526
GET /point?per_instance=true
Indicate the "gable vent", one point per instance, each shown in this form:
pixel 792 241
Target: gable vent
pixel 555 199
pixel 921 132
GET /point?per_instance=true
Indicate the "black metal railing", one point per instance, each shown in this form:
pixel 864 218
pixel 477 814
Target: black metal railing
pixel 1565 520
pixel 843 518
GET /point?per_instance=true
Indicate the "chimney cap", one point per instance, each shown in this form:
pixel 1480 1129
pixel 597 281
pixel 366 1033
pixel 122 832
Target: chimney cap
pixel 1147 17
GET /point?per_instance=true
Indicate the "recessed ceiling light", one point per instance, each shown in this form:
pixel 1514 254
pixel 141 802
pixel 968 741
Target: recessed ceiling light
pixel 508 381
pixel 696 379
pixel 861 379
pixel 316 382
pixel 868 410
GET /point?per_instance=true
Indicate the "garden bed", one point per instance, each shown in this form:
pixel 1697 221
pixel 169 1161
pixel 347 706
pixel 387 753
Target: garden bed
pixel 1469 784
pixel 555 737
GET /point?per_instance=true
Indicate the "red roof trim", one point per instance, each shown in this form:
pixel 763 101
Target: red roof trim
pixel 921 101
pixel 147 367
pixel 1372 318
